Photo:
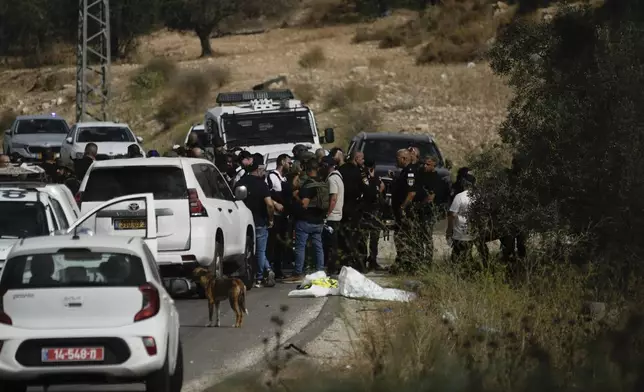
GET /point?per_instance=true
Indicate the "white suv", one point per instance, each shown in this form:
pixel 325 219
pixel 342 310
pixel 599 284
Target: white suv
pixel 112 140
pixel 33 209
pixel 200 221
pixel 86 309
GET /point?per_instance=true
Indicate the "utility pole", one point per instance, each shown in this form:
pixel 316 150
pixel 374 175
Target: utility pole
pixel 93 60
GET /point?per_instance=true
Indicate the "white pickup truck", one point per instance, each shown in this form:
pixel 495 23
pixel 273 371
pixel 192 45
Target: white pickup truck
pixel 269 122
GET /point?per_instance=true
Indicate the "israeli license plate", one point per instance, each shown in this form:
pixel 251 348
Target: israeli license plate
pixel 73 354
pixel 39 155
pixel 129 224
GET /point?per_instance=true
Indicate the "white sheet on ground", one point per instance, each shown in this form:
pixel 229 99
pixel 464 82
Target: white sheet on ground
pixel 352 284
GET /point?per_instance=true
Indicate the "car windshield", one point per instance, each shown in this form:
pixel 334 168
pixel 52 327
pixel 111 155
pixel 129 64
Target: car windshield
pixel 267 128
pixel 202 136
pixel 104 134
pixel 165 182
pixel 19 219
pixel 72 268
pixel 38 126
pixel 383 152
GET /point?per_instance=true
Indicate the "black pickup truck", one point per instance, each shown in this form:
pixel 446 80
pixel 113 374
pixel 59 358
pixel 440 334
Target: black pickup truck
pixel 381 148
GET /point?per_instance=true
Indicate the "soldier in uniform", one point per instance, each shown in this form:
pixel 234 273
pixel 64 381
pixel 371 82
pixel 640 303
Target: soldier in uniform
pixel 403 192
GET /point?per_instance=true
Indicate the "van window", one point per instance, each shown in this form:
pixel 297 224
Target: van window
pixel 165 182
pixel 72 268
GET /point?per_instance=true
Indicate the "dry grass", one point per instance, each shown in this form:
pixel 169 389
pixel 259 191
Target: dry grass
pixel 313 58
pixel 6 119
pixel 349 94
pixel 305 92
pixel 219 76
pixel 457 31
pixel 156 74
pixel 188 94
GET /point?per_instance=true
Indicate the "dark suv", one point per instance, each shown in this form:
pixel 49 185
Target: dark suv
pixel 381 148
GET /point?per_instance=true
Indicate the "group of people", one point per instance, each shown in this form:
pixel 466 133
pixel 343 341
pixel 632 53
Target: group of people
pixel 337 203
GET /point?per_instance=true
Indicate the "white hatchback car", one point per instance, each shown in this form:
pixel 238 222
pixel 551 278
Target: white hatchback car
pixel 77 309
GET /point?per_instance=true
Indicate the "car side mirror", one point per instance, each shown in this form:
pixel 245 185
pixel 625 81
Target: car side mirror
pixel 68 140
pixel 329 136
pixel 8 132
pixel 139 139
pixel 241 192
pixel 448 164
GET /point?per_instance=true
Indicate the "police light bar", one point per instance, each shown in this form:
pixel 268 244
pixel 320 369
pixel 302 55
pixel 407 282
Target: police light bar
pixel 247 96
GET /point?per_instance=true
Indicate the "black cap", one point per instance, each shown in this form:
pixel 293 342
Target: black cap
pixel 329 161
pixel 244 155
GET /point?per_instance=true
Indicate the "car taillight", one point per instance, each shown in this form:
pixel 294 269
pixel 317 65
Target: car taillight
pixel 151 302
pixel 79 198
pixel 4 318
pixel 150 345
pixel 196 208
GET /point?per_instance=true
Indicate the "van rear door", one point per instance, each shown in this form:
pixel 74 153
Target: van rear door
pixel 168 185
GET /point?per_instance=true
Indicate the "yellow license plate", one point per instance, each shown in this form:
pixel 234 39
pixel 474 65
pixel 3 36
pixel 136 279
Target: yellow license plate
pixel 129 224
pixel 39 156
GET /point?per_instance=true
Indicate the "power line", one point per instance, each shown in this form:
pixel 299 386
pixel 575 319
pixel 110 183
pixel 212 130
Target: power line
pixel 93 60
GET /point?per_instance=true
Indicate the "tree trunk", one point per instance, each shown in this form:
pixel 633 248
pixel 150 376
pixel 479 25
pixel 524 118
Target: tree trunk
pixel 204 40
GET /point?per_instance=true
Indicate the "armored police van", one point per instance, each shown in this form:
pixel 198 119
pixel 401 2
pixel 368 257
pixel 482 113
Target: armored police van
pixel 269 122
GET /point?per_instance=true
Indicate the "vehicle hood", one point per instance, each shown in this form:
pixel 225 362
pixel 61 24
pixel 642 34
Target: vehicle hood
pixel 39 139
pixel 107 148
pixel 5 247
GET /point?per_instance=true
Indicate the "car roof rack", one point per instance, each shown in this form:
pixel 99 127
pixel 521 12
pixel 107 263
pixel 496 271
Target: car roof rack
pixel 23 184
pixel 20 173
pixel 247 96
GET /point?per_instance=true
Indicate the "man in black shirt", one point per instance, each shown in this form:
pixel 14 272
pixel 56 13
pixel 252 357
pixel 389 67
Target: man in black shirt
pixel 372 216
pixel 259 202
pixel 403 192
pixel 281 193
pixel 352 241
pixel 431 191
pixel 82 165
pixel 309 221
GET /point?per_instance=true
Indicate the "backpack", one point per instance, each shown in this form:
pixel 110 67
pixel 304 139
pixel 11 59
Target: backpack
pixel 321 199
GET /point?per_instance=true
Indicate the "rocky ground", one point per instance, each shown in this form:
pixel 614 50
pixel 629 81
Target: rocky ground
pixel 461 105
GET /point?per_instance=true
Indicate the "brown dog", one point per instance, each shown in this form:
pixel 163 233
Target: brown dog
pixel 218 290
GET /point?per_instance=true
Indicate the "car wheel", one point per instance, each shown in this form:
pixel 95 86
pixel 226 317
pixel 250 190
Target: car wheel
pixel 217 266
pixel 160 380
pixel 12 386
pixel 176 380
pixel 249 262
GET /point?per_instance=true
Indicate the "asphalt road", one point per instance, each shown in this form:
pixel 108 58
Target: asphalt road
pixel 213 353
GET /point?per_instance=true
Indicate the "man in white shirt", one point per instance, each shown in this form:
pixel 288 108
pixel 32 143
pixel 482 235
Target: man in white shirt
pixel 457 225
pixel 334 215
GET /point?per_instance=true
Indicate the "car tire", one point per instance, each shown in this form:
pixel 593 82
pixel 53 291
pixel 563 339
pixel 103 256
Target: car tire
pixel 160 380
pixel 176 380
pixel 248 275
pixel 12 386
pixel 217 266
